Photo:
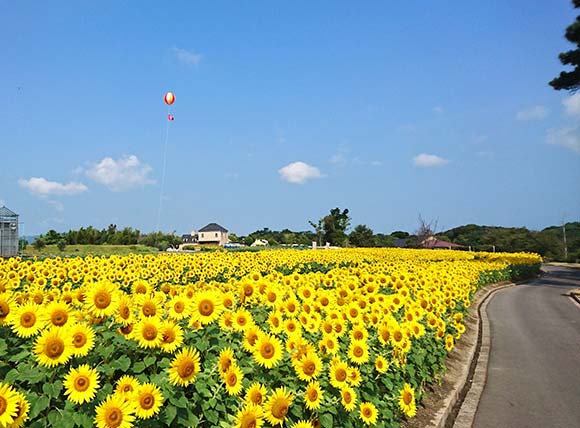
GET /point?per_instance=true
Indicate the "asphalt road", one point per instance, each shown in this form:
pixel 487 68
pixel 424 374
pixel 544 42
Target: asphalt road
pixel 533 377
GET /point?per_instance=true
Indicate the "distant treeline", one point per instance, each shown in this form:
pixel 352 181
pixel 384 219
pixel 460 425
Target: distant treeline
pixel 111 235
pixel 548 242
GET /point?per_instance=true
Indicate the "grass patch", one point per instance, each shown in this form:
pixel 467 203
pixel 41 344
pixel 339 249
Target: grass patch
pixel 85 250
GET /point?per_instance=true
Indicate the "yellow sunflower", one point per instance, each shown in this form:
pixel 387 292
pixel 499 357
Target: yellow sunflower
pixel 449 342
pixel 58 314
pixel 184 367
pixel 256 394
pixel 368 413
pixel 124 314
pixel 102 299
pixel 313 395
pixel 81 384
pixel 381 364
pixel 53 347
pixel 268 351
pixel 348 398
pixel 233 378
pixel 407 400
pixel 6 306
pixel 338 374
pixel 250 338
pixel 147 332
pixel 83 339
pixel 171 336
pixel 178 307
pixel 115 412
pixel 147 400
pixel 206 307
pixel 308 367
pixel 242 319
pixel 250 416
pixel 225 360
pixel 127 387
pixel 277 406
pixel 303 424
pixel 354 376
pixel 358 352
pixel 22 414
pixel 27 320
pixel 8 405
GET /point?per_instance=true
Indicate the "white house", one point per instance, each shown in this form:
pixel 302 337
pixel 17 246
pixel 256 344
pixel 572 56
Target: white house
pixel 213 233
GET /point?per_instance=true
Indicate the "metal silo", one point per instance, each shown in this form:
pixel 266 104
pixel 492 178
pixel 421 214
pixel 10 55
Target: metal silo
pixel 8 233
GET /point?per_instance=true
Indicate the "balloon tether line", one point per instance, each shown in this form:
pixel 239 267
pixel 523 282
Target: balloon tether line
pixel 163 171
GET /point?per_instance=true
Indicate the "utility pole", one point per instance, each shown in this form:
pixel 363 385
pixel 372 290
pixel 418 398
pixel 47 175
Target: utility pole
pixel 564 233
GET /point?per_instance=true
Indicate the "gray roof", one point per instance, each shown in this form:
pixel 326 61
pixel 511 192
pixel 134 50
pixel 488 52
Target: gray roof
pixel 5 212
pixel 213 227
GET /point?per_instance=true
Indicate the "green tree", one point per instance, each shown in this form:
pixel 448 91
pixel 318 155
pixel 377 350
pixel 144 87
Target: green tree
pixel 39 243
pixel 362 236
pixel 570 80
pixel 61 244
pixel 335 225
pixel 318 229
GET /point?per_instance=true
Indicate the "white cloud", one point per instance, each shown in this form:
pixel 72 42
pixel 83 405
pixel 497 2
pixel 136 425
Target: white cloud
pixel 376 163
pixel 566 137
pixel 119 175
pixel 533 113
pixel 42 187
pixel 572 105
pixel 427 160
pixel 299 172
pixel 439 110
pixel 187 57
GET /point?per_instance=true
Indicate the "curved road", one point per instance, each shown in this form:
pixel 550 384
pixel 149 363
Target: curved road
pixel 533 376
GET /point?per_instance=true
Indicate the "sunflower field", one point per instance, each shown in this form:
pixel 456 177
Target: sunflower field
pixel 289 338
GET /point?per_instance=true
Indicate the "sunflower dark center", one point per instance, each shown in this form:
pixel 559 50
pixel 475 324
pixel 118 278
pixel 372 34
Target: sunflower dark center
pixel 81 383
pixel 102 299
pixel 267 350
pixel 59 318
pixel 186 369
pixel 54 348
pixel 206 307
pixel 27 319
pixel 150 332
pixel 147 401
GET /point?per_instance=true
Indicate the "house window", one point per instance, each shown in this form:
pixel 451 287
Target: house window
pixel 202 235
pixel 216 235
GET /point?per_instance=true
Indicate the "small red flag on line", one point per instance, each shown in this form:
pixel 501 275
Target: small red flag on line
pixel 169 117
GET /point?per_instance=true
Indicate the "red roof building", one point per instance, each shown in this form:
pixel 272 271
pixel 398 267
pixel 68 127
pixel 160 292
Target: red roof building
pixel 436 244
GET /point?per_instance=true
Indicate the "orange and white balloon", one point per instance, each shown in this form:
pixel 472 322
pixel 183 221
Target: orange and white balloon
pixel 169 98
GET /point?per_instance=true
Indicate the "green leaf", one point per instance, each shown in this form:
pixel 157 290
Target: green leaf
pixel 19 357
pixel 169 414
pixel 212 416
pixel 179 401
pixel 82 419
pixel 38 406
pixel 138 367
pixel 11 376
pixel 122 363
pixel 55 418
pixel 149 360
pixel 326 420
pixel 52 389
pixel 105 352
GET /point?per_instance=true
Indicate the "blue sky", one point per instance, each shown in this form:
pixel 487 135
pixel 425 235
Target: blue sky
pixel 285 110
